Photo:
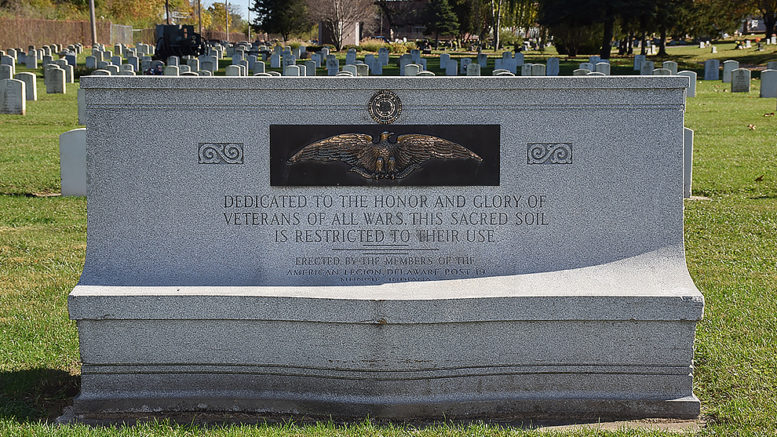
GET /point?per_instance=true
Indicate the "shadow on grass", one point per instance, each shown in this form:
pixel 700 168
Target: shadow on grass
pixel 34 395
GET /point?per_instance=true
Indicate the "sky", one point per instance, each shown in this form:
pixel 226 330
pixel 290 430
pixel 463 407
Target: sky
pixel 243 5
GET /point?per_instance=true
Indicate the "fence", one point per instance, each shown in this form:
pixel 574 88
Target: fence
pixel 22 32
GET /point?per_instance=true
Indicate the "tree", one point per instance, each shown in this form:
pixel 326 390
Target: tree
pixel 340 17
pixel 440 20
pixel 280 16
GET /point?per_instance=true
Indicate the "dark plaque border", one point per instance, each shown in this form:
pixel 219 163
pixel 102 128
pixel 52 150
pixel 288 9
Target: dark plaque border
pixel 483 140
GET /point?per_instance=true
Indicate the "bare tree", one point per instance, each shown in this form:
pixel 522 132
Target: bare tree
pixel 340 17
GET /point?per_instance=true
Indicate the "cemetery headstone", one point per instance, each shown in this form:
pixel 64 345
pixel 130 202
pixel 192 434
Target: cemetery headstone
pixel 661 72
pixel 728 67
pixel 712 69
pixel 172 70
pixel 116 60
pixel 740 80
pixel 383 56
pixel 671 66
pixel 114 69
pixel 538 70
pixel 647 68
pixel 404 61
pixel 291 70
pixel 54 79
pixel 596 74
pixel 332 65
pixel 13 99
pixel 275 60
pixel 362 69
pixel 483 60
pixel 603 67
pixel 100 72
pixel 587 66
pixel 580 72
pixel 473 69
pixel 310 68
pixel 526 69
pixel 452 68
pixel 6 72
pixel 30 90
pixel 691 75
pixel 771 65
pixel 350 57
pixel 519 59
pixel 552 67
pixel 72 162
pixel 768 83
pixel 415 56
pixel 687 162
pixel 638 59
pixel 31 60
pixel 173 61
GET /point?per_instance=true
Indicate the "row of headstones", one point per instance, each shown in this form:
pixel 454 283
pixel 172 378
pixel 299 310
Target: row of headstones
pixel 740 77
pixel 34 55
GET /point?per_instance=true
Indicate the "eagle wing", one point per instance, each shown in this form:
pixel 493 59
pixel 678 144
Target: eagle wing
pixel 354 149
pixel 414 149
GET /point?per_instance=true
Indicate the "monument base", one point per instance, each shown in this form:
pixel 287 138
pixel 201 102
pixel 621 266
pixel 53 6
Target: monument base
pixel 609 341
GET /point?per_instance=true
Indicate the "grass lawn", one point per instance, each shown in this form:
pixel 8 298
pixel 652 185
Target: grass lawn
pixel 731 243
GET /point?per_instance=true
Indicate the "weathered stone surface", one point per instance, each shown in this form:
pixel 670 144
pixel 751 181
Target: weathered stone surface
pixel 72 162
pixel 712 69
pixel 30 88
pixel 564 308
pixel 740 80
pixel 728 67
pixel 12 97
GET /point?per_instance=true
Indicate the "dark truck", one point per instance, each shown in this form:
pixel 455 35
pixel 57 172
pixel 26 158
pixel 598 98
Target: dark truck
pixel 177 40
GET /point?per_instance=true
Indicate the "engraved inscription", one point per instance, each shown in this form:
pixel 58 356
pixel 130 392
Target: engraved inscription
pixel 220 153
pixel 549 153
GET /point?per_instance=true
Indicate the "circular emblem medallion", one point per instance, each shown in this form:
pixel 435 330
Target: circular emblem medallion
pixel 384 107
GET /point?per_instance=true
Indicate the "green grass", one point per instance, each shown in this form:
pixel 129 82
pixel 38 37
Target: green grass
pixel 731 243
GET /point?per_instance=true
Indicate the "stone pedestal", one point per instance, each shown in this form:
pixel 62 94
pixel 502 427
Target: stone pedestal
pixel 540 274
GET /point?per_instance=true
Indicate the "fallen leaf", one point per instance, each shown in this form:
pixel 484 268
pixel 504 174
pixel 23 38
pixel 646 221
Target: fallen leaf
pixel 751 126
pixel 769 114
pixel 759 178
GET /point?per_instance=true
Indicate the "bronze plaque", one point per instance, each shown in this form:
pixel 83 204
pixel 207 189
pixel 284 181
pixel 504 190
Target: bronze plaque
pixel 373 155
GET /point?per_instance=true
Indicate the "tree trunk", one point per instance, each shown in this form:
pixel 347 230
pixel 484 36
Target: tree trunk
pixel 389 22
pixel 769 21
pixel 643 49
pixel 630 44
pixel 496 15
pixel 662 43
pixel 609 24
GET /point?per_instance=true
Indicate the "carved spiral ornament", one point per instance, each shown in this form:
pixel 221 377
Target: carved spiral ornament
pixel 221 153
pixel 549 153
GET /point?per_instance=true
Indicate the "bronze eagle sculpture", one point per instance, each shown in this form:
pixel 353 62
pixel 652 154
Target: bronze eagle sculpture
pixel 385 159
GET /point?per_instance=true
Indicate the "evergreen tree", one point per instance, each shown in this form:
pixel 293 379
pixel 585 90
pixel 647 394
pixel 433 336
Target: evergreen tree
pixel 440 20
pixel 283 17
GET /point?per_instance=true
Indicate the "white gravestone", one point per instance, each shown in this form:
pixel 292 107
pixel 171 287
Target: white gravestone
pixel 404 61
pixel 412 69
pixel 350 57
pixel 768 83
pixel 526 69
pixel 452 68
pixel 12 97
pixel 687 161
pixel 275 60
pixel 691 75
pixel 543 304
pixel 712 69
pixel 6 72
pixel 603 67
pixel 581 72
pixel 72 162
pixel 552 67
pixel 291 70
pixel 310 68
pixel 332 65
pixel 728 67
pixel 647 68
pixel 54 79
pixel 30 88
pixel 171 70
pixel 740 80
pixel 363 69
pixel 671 66
pixel 662 72
pixel 473 69
pixel 771 65
pixel 538 70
